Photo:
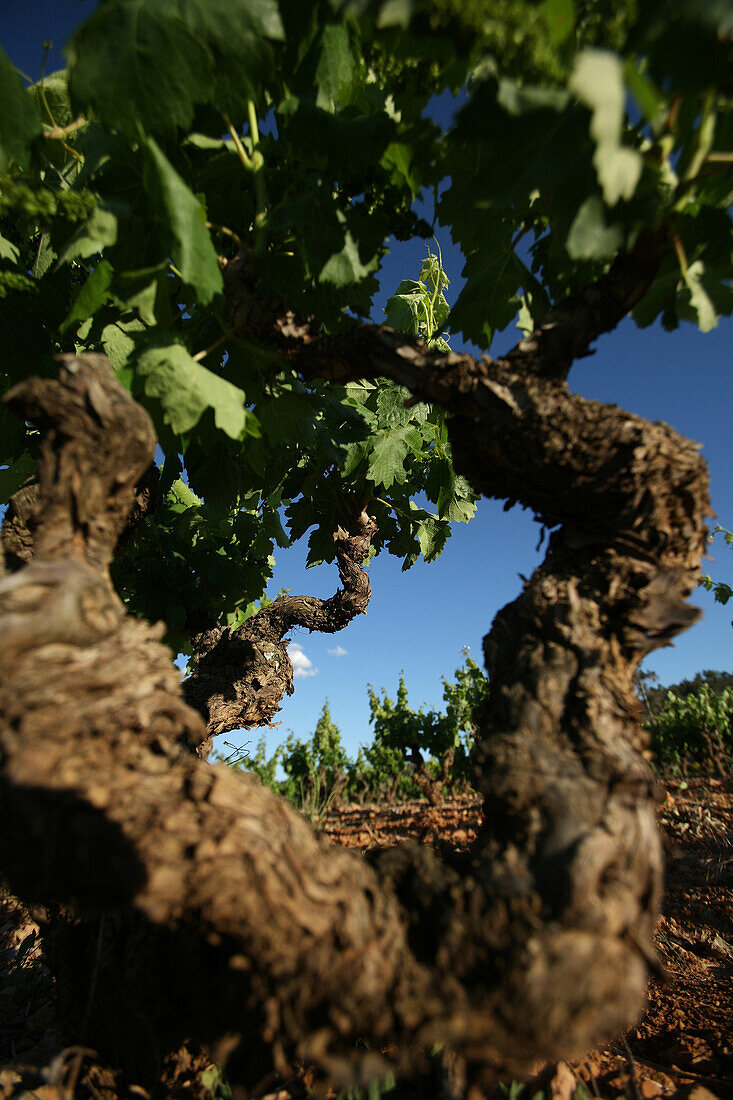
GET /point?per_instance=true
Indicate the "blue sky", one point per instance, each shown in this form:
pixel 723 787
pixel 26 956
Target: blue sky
pixel 418 622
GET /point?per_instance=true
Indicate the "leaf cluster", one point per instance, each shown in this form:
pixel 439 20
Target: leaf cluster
pixel 419 306
pixel 694 730
pixel 185 132
pixel 551 178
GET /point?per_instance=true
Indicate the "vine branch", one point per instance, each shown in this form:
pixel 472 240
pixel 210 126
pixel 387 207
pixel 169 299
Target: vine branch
pixel 241 675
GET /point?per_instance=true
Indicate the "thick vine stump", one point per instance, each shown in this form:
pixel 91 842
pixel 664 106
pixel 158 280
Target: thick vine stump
pixel 225 919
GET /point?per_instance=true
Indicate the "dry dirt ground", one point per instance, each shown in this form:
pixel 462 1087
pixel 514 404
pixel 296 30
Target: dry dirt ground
pixel 682 1047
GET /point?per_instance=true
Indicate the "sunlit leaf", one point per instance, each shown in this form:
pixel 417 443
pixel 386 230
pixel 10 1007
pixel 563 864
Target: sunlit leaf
pixel 700 298
pixel 51 96
pixel 182 225
pixel 389 452
pixel 8 251
pixel 590 237
pixel 119 343
pixel 186 389
pixel 597 80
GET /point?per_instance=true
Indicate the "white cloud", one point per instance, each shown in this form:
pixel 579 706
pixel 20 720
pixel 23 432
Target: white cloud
pixel 339 651
pixel 302 665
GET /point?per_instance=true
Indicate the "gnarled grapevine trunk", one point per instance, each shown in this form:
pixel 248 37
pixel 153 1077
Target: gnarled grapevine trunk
pixel 249 932
pixel 241 675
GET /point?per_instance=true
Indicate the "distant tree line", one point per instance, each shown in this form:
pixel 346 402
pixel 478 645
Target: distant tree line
pixel 425 753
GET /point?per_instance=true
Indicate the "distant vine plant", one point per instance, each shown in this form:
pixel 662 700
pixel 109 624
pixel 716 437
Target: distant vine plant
pixel 722 591
pixel 419 307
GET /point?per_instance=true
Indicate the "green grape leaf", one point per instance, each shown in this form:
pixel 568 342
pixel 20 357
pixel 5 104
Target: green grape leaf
pixel 618 170
pixel 146 291
pixel 217 478
pixel 321 138
pixel 143 61
pixel 457 502
pixel 432 533
pixel 648 97
pixel 559 16
pixel 490 299
pixel 395 13
pixel 399 159
pixel 91 296
pixel 590 237
pixel 8 250
pixel 391 411
pixel 335 72
pixel 453 495
pixel 346 267
pixel 288 419
pixel 183 497
pixel 313 219
pixel 44 257
pixel 136 62
pixel 708 296
pixel 660 295
pixel 96 234
pixel 272 525
pixel 389 452
pixel 598 82
pixel 354 453
pixel 687 41
pixel 19 121
pixel 53 91
pixel 513 148
pixel 119 343
pixel 320 547
pixel 183 225
pixel 236 34
pixel 186 390
pixel 405 310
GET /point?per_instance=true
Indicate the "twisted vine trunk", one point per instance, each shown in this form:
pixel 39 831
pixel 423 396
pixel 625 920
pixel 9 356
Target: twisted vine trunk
pixel 235 924
pixel 240 676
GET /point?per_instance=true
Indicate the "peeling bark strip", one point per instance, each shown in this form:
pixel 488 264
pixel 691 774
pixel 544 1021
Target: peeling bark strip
pixel 241 675
pixel 534 944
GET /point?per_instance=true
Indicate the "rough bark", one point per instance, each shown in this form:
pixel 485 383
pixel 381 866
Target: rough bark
pixel 16 535
pixel 148 498
pixel 241 675
pixel 16 539
pixel 252 930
